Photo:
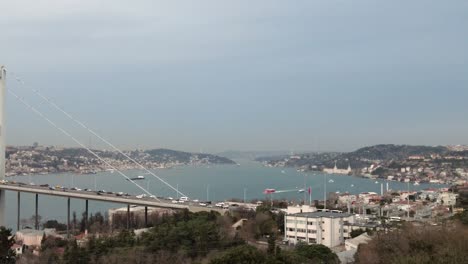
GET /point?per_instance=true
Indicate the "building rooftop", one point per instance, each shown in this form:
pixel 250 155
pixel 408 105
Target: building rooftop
pixel 363 238
pixel 323 214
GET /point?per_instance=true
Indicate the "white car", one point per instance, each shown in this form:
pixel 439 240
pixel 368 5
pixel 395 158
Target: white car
pixel 183 198
pixel 219 204
pixel 174 201
pixel 196 201
pixel 139 196
pixel 152 196
pixel 202 204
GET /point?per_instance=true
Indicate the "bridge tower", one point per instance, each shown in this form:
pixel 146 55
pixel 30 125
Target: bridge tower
pixel 2 141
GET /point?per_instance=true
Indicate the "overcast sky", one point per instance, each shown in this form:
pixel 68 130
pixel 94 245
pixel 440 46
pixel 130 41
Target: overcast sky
pixel 244 75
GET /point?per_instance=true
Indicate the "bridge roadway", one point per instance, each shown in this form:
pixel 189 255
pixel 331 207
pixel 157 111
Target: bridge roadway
pixel 103 197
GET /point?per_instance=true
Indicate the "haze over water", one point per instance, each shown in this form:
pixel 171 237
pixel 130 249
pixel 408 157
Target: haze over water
pixel 225 182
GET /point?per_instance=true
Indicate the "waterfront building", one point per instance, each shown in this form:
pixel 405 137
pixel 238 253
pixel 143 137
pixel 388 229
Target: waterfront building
pixel 335 170
pixel 326 228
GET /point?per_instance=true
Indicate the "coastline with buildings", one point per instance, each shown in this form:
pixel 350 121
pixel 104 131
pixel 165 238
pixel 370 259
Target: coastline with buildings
pixel 402 163
pixel 35 160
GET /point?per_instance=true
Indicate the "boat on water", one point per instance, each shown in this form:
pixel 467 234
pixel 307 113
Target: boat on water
pixel 331 181
pixel 284 172
pixel 137 178
pixel 416 183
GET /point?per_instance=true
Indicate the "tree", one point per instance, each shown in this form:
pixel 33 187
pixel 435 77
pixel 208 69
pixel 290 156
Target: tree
pixel 271 244
pixel 7 255
pixel 317 253
pixel 75 255
pixel 55 224
pixel 356 232
pixel 241 255
pixel 417 244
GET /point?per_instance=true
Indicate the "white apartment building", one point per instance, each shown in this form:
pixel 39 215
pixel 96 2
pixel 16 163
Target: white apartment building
pixel 327 228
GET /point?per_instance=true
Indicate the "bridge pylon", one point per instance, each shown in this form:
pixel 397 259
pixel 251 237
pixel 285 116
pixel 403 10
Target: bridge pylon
pixel 2 142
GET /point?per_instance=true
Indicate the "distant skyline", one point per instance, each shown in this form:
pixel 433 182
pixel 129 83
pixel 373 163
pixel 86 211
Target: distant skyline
pixel 240 75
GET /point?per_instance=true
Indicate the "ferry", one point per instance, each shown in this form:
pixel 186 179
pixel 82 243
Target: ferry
pixel 137 178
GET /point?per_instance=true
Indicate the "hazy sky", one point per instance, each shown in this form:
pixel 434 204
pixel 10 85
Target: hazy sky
pixel 244 75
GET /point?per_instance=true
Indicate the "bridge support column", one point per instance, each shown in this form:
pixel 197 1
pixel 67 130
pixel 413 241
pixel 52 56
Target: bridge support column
pixel 86 217
pixel 146 216
pixel 68 218
pixel 19 211
pixel 128 216
pixel 36 216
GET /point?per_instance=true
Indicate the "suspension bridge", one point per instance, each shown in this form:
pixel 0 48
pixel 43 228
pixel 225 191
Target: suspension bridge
pixel 146 200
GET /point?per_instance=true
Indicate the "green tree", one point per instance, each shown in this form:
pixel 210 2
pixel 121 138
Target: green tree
pixel 241 255
pixel 356 232
pixel 271 243
pixel 7 255
pixel 75 255
pixel 317 253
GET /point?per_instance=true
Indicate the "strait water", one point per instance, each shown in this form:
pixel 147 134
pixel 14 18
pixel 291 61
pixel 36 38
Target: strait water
pixel 216 183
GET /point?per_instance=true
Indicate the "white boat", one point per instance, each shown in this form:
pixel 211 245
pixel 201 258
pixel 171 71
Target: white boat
pixel 331 181
pixel 352 185
pixel 141 177
pixel 283 172
pixel 416 183
pixel 376 182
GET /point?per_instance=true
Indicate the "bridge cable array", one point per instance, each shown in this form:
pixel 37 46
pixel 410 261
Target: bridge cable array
pixel 21 100
pixel 91 131
pixel 68 115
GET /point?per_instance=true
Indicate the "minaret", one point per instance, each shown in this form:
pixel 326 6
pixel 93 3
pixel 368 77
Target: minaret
pixel 2 141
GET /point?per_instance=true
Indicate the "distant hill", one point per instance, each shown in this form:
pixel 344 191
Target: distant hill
pixel 39 159
pixel 167 155
pixel 393 152
pixel 357 159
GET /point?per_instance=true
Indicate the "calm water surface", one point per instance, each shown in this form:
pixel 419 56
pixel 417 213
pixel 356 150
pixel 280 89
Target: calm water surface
pixel 221 181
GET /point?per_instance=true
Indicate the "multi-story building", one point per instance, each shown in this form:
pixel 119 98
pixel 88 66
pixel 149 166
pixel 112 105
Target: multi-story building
pixel 326 228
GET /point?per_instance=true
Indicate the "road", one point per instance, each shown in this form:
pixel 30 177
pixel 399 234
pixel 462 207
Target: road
pixel 107 197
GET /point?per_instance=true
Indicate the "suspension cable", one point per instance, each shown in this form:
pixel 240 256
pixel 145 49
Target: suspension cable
pixel 53 104
pixel 21 100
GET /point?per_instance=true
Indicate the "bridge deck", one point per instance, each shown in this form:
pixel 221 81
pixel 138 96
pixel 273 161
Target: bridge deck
pixel 112 198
